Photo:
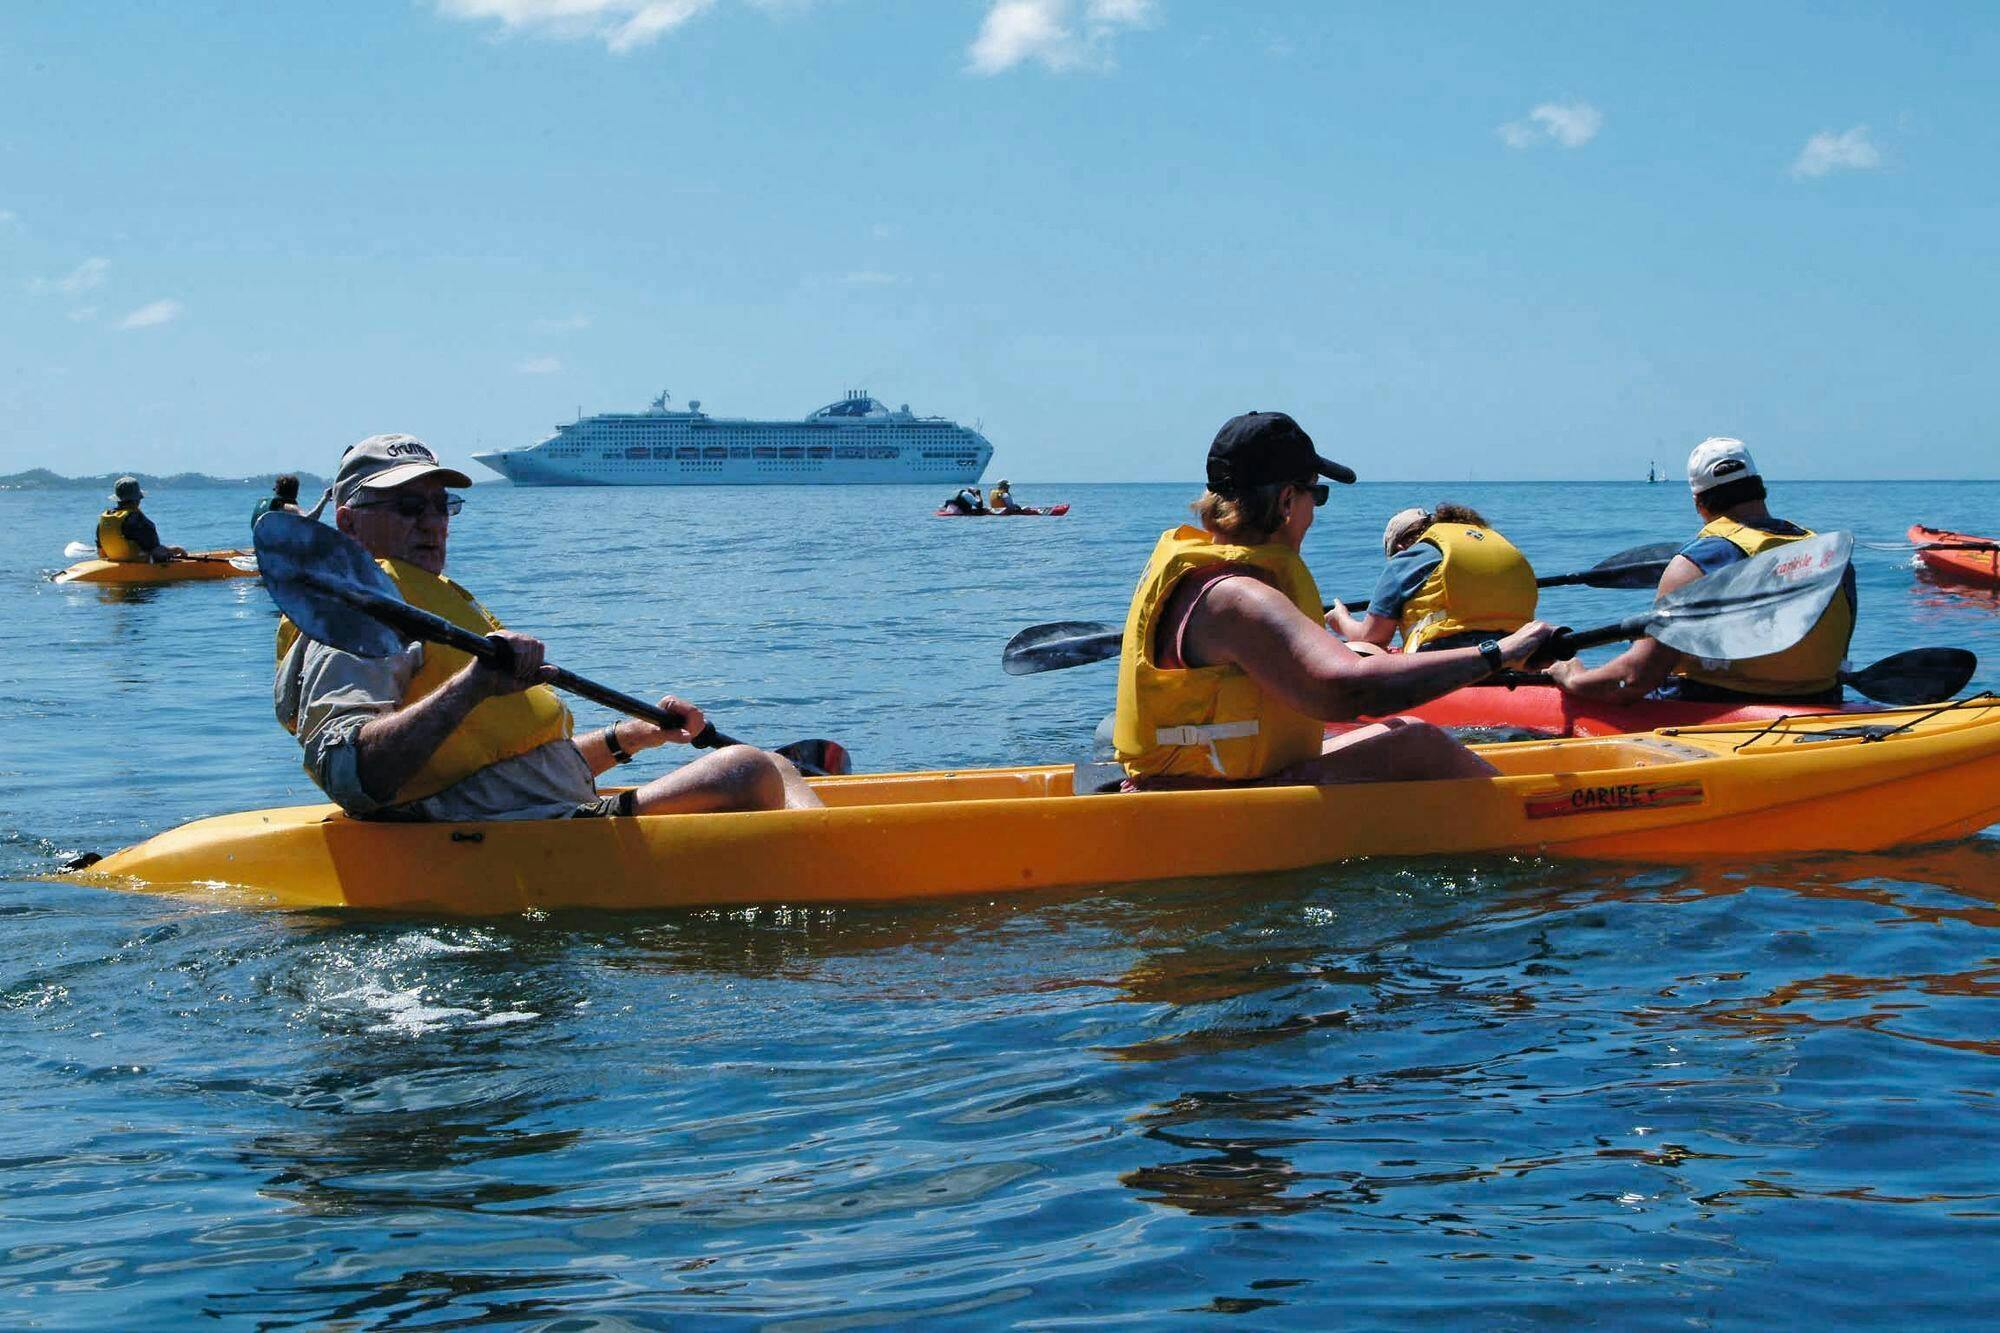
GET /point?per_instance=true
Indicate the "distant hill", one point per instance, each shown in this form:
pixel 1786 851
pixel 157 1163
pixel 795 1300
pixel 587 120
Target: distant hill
pixel 41 479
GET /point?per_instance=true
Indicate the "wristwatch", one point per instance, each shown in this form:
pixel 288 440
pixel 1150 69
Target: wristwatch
pixel 1496 661
pixel 618 755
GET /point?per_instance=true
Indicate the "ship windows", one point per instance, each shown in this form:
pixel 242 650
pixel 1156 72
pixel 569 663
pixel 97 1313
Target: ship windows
pixel 639 451
pixel 819 451
pixel 764 451
pixel 792 452
pixel 850 451
pixel 738 451
pixel 687 451
pixel 884 453
pixel 715 451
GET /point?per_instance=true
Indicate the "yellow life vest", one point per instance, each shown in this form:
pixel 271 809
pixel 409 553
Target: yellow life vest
pixel 112 543
pixel 1810 666
pixel 497 729
pixel 1483 583
pixel 1213 722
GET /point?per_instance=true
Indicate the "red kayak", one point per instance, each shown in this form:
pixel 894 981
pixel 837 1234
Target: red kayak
pixel 1546 709
pixel 1052 511
pixel 1956 556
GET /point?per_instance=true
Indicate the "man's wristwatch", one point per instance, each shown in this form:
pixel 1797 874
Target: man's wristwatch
pixel 618 755
pixel 1496 661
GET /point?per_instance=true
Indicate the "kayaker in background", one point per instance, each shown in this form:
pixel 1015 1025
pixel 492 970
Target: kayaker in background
pixel 1001 499
pixel 1729 495
pixel 1227 674
pixel 967 501
pixel 284 497
pixel 432 733
pixel 1451 581
pixel 126 535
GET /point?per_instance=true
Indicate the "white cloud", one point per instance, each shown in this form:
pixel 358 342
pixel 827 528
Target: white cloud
pixel 87 276
pixel 869 277
pixel 152 316
pixel 1571 124
pixel 1827 152
pixel 1053 33
pixel 565 324
pixel 7 217
pixel 537 365
pixel 622 25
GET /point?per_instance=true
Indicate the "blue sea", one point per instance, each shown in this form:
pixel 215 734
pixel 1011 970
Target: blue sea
pixel 1482 1092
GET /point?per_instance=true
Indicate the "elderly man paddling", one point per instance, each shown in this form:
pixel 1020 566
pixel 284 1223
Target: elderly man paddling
pixel 434 734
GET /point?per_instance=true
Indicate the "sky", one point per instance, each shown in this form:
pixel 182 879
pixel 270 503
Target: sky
pixel 1454 240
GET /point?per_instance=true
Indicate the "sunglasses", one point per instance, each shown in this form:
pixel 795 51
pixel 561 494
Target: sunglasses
pixel 1319 491
pixel 414 507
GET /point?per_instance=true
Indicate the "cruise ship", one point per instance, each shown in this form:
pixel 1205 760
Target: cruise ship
pixel 856 440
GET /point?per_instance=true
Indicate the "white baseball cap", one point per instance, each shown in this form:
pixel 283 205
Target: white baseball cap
pixel 1401 524
pixel 1718 460
pixel 384 462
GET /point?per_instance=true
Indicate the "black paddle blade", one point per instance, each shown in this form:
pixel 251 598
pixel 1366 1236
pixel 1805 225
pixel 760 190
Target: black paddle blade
pixel 818 758
pixel 1758 606
pixel 1915 676
pixel 307 568
pixel 1064 643
pixel 1639 567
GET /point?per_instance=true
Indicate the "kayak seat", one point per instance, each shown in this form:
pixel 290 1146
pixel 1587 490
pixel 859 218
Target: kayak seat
pixel 1095 779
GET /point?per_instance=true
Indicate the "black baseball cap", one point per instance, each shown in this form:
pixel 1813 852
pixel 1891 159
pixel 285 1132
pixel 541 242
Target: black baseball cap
pixel 1265 449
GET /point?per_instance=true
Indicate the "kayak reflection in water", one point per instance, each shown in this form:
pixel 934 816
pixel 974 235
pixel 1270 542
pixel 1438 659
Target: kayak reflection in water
pixel 1451 581
pixel 432 733
pixel 1730 498
pixel 284 498
pixel 967 501
pixel 1227 674
pixel 126 535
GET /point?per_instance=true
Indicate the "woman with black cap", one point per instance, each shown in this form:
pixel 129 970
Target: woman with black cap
pixel 1228 676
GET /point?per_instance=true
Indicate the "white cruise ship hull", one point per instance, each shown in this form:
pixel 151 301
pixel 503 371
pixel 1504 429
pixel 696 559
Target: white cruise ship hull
pixel 853 442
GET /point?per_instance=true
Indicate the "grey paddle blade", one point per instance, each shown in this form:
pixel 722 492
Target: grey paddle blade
pixel 1915 676
pixel 316 574
pixel 1639 567
pixel 1758 606
pixel 1064 643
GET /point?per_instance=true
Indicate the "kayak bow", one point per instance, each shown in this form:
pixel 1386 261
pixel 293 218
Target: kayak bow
pixel 1799 786
pixel 1956 556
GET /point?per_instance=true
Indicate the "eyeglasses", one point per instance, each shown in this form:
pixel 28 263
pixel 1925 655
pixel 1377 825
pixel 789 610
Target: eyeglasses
pixel 414 507
pixel 1320 492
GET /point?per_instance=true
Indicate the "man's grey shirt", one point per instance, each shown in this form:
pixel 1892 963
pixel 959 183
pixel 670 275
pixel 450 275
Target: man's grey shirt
pixel 325 696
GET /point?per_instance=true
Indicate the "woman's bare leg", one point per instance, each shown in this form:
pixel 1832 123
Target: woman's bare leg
pixel 739 777
pixel 1398 750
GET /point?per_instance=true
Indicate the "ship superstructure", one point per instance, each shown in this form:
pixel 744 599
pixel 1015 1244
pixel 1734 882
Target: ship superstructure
pixel 853 441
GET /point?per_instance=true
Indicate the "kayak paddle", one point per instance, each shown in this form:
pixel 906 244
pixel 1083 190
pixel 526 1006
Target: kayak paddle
pixel 1752 608
pixel 333 590
pixel 239 560
pixel 1907 679
pixel 1068 643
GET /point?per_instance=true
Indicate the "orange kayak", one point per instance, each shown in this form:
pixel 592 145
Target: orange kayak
pixel 1975 559
pixel 196 565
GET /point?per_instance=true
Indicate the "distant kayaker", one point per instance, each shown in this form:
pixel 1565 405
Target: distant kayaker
pixel 1451 581
pixel 126 535
pixel 967 501
pixel 1227 674
pixel 432 733
pixel 284 498
pixel 1001 499
pixel 1729 496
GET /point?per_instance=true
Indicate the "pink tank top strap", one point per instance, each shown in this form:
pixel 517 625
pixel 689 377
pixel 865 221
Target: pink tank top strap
pixel 1182 602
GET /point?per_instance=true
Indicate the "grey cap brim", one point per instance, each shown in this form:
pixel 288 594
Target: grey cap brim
pixel 388 479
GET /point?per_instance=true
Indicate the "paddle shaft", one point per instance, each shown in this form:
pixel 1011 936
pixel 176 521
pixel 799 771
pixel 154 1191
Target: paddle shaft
pixel 1591 576
pixel 417 623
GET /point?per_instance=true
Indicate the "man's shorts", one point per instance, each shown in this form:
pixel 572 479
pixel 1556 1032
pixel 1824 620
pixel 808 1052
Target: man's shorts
pixel 605 807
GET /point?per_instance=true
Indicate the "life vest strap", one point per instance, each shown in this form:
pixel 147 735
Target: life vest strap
pixel 1217 731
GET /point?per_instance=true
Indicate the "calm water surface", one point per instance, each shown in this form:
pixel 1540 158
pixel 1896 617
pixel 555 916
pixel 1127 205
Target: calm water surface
pixel 1489 1092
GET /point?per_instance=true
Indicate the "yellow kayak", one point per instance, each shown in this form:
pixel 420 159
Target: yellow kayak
pixel 1798 785
pixel 195 565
